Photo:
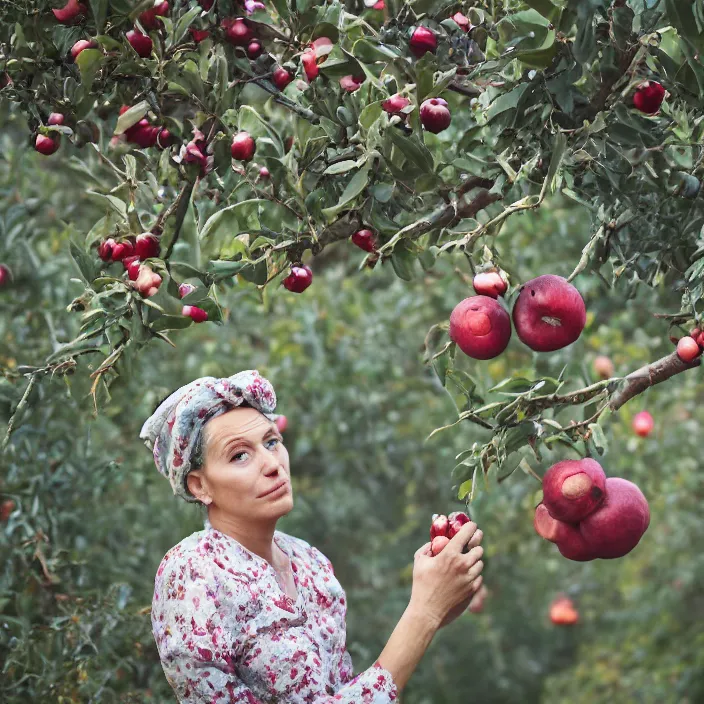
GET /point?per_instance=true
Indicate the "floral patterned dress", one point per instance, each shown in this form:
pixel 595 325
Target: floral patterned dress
pixel 227 632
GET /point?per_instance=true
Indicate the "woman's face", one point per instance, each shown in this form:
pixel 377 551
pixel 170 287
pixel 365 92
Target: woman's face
pixel 244 460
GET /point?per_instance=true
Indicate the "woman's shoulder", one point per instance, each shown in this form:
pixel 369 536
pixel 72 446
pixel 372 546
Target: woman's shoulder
pixel 190 551
pixel 303 549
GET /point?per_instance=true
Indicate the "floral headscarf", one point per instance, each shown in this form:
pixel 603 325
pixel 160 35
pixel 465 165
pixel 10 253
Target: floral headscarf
pixel 174 430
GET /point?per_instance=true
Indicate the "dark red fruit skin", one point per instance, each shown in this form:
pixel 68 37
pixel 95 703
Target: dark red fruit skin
pixel 237 31
pixel 395 104
pixel 72 10
pixel 480 327
pixel 254 49
pixel 82 44
pixel 121 250
pixel 619 524
pixel 146 246
pixel 456 520
pixel 46 145
pixel 281 78
pixel 364 239
pixel 435 115
pixel 150 18
pixel 648 97
pixel 105 249
pixel 141 43
pixel 688 349
pixel 423 40
pixel 463 22
pixel 199 34
pixel 589 474
pixel 5 275
pixel 299 279
pixel 243 147
pixel 55 118
pixel 566 536
pixel 439 526
pixel 549 313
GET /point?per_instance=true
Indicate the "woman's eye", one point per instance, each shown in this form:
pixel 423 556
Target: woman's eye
pixel 239 454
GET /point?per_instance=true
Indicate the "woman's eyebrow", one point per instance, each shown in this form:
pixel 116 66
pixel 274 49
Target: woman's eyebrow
pixel 236 439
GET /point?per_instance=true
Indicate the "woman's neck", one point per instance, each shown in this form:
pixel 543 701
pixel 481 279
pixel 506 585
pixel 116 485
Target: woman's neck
pixel 258 538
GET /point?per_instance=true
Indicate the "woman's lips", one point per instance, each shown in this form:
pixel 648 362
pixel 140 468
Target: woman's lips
pixel 278 487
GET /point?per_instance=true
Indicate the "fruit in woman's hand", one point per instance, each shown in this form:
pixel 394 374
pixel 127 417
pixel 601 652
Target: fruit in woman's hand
pixel 643 424
pixel 572 489
pixel 480 327
pixel 648 97
pixel 423 40
pixel 300 278
pixel 438 543
pixel 489 283
pixel 435 115
pixel 549 313
pixel 688 349
pixel 439 525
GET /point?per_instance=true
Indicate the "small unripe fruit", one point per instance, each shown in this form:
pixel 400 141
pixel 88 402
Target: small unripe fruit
pixel 604 367
pixel 72 10
pixel 688 349
pixel 55 118
pixel 572 489
pixel 185 289
pixel 243 147
pixel 648 97
pixel 264 172
pixel 364 239
pixel 643 424
pixel 351 83
pixel 422 41
pixel 46 145
pixel 462 21
pixel 438 544
pixel 141 43
pixel 237 31
pixel 395 104
pixel 254 49
pixel 197 315
pixel 281 423
pixel 300 278
pixel 82 44
pixel 480 327
pixel 5 275
pixel 549 313
pixel 439 526
pixel 489 283
pixel 199 34
pixel 146 246
pixel 281 78
pixel 435 115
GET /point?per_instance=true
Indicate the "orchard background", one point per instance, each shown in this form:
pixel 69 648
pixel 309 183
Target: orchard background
pixel 551 164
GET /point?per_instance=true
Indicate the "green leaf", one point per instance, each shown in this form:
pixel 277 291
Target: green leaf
pixel 341 167
pixel 99 10
pixel 234 219
pixel 181 27
pixel 507 101
pixel 129 117
pixel 403 259
pixel 413 149
pixel 526 31
pixel 356 185
pixel 170 322
pixel 86 265
pixel 89 61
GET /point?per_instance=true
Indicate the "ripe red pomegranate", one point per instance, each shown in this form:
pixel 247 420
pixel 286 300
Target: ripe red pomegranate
pixel 688 349
pixel 141 43
pixel 435 115
pixel 549 313
pixel 6 508
pixel 351 83
pixel 281 78
pixel 364 239
pixel 423 40
pixel 566 536
pixel 619 524
pixel 439 525
pixel 456 520
pixel 47 145
pixel 147 282
pixel 237 31
pixel 82 44
pixel 254 49
pixel 310 64
pixel 147 245
pixel 462 21
pixel 395 104
pixel 300 278
pixel 72 10
pixel 604 367
pixel 563 613
pixel 648 97
pixel 643 424
pixel 243 147
pixel 572 489
pixel 5 275
pixel 444 528
pixel 480 327
pixel 281 423
pixel 489 283
pixel 197 315
pixel 150 18
pixel 123 249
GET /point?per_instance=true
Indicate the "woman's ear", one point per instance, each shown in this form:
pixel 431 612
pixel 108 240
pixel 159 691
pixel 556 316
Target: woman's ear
pixel 196 485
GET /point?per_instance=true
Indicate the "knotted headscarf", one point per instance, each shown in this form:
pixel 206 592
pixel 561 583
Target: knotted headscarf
pixel 174 430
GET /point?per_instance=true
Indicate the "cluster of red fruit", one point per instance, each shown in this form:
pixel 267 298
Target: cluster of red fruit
pixel 146 135
pixel 691 347
pixel 563 612
pixel 587 515
pixel 132 251
pixel 444 528
pixel 549 314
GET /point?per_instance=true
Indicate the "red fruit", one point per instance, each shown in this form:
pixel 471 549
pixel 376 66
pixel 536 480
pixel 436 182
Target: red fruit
pixel 422 41
pixel 563 613
pixel 82 44
pixel 462 21
pixel 5 275
pixel 132 265
pixel 648 97
pixel 237 31
pixel 281 423
pixel 143 136
pixel 164 138
pixel 194 155
pixel 254 49
pixel 6 508
pixel 437 545
pixel 480 327
pixel 105 249
pixel 149 18
pixel 435 115
pixel 310 64
pixel 281 78
pixel 572 489
pixel 300 278
pixel 322 46
pixel 141 43
pixel 199 34
pixel 617 527
pixel 46 145
pixel 549 313
pixel 55 118
pixel 206 4
pixel 379 5
pixel 643 424
pixel 71 11
pixel 456 520
pixel 395 104
pixel 439 526
pixel 489 283
pixel 185 289
pixel 566 536
pixel 365 240
pixel 243 147
pixel 147 282
pixel 351 83
pixel 604 367
pixel 688 349
pixel 147 245
pixel 121 250
pixel 695 333
pixel 197 315
pixel 264 172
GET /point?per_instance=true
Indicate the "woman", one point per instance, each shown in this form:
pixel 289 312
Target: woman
pixel 245 613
